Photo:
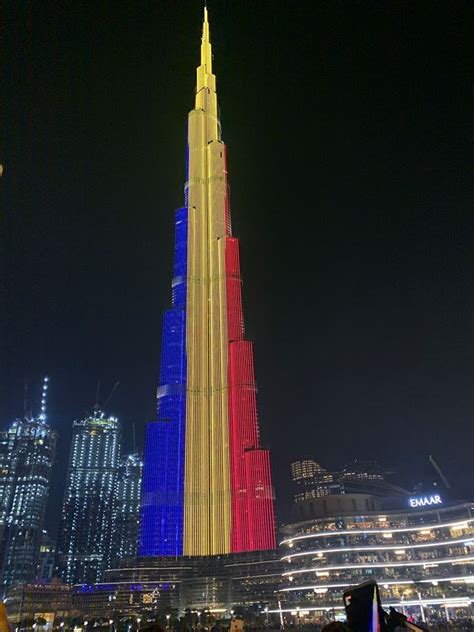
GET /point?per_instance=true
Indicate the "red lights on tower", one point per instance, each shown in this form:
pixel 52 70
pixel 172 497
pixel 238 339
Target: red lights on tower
pixel 253 525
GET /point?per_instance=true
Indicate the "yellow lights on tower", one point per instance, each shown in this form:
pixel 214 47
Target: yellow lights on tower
pixel 207 513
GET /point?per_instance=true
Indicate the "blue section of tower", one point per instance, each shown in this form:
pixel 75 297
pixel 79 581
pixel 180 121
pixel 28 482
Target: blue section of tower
pixel 161 528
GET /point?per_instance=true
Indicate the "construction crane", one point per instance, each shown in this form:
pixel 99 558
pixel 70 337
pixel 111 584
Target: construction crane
pixel 438 469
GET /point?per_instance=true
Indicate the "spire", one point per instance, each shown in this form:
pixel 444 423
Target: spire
pixel 206 98
pixel 206 51
pixel 44 396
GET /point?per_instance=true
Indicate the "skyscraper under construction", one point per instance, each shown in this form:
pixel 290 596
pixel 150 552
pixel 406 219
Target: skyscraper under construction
pixel 207 486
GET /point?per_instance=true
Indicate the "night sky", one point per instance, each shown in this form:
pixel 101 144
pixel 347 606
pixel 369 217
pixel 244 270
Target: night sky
pixel 347 126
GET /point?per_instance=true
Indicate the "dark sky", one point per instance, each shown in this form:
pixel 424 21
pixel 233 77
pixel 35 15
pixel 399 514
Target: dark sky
pixel 347 125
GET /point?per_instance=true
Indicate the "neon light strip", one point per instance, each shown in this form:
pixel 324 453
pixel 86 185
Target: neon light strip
pixel 459 602
pixel 147 582
pixel 381 582
pixel 324 534
pixel 148 568
pixel 398 547
pixel 426 563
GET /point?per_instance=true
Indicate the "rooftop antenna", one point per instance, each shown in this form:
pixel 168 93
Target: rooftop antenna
pixel 44 394
pixel 111 393
pixel 133 436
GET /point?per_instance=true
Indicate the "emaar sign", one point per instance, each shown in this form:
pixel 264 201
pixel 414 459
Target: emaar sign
pixel 423 501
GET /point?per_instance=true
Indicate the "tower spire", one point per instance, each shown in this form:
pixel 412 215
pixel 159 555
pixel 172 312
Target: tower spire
pixel 206 51
pixel 44 397
pixel 206 97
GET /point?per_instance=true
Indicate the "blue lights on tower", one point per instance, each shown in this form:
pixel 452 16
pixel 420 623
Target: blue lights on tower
pixel 161 528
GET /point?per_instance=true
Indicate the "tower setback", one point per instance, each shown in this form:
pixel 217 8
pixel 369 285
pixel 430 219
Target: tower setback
pixel 207 486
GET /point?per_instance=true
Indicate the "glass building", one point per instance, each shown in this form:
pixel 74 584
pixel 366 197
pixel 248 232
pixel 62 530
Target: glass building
pixel 126 518
pixel 84 546
pixel 27 456
pixel 151 586
pixel 422 557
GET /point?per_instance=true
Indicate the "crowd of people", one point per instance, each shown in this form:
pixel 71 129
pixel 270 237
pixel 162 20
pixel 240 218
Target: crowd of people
pixel 393 624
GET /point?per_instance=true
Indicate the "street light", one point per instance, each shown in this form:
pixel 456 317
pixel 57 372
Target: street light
pixel 446 609
pixel 422 610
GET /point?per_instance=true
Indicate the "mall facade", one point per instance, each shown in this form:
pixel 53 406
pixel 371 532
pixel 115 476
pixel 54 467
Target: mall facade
pixel 420 553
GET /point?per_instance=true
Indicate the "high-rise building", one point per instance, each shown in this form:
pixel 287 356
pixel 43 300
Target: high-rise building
pixel 207 485
pixel 6 479
pixel 310 480
pixel 84 547
pixel 27 460
pixel 126 518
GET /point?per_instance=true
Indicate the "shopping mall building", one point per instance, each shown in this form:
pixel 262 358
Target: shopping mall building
pixel 420 550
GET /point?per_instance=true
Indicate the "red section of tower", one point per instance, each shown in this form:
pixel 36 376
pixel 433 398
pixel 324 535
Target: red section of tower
pixel 253 526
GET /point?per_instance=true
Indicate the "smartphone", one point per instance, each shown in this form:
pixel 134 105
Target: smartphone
pixel 363 608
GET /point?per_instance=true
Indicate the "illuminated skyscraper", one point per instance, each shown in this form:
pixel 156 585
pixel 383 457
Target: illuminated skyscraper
pixel 6 479
pixel 126 518
pixel 84 547
pixel 207 484
pixel 27 458
pixel 310 480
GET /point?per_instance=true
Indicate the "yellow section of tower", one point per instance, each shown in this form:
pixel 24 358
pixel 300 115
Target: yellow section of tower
pixel 207 496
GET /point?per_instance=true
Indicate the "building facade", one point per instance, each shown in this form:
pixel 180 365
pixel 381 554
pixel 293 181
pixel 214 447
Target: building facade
pixel 207 487
pixel 27 458
pixel 153 586
pixel 310 480
pixel 422 557
pixel 6 478
pixel 47 558
pixel 126 516
pixel 85 537
pixel 30 601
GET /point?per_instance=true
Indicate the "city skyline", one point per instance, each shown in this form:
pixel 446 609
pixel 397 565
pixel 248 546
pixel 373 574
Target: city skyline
pixel 396 263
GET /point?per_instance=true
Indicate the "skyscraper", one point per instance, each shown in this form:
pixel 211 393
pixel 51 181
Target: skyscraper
pixel 310 480
pixel 126 515
pixel 6 479
pixel 27 458
pixel 84 546
pixel 207 485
